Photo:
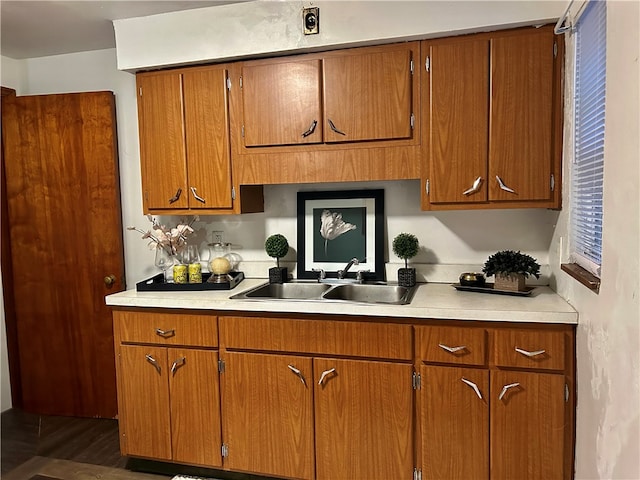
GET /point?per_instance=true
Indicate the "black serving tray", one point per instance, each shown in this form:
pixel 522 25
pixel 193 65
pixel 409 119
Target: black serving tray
pixel 489 288
pixel 157 284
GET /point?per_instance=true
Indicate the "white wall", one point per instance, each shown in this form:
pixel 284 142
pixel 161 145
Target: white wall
pixel 608 341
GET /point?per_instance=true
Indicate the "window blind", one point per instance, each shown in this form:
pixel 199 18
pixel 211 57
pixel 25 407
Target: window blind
pixel 588 167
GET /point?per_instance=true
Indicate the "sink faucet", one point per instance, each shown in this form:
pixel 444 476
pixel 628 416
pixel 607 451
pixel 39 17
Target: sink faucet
pixel 343 273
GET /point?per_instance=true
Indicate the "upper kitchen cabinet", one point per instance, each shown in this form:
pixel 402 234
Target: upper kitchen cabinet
pixel 492 120
pixel 345 115
pixel 184 141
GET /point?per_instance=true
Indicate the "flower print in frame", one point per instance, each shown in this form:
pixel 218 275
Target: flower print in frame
pixel 336 226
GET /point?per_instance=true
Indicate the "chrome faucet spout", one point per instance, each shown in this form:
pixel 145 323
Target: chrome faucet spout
pixel 352 262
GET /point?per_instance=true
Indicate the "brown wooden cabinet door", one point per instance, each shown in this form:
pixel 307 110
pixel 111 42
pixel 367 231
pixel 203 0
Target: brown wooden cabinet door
pixel 456 112
pixel 454 408
pixel 282 103
pixel 144 402
pixel 520 145
pixel 268 414
pixel 527 425
pixel 162 143
pixel 363 419
pixel 206 118
pixel 195 406
pixel 368 96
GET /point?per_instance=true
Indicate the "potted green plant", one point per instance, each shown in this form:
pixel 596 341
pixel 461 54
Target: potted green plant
pixel 277 247
pixel 405 246
pixel 511 269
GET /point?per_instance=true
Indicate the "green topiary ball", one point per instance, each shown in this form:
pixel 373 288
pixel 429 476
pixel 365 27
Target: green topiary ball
pixel 405 246
pixel 276 246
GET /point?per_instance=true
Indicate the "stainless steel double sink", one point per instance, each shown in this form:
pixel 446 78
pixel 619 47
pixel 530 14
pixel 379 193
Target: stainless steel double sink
pixel 373 293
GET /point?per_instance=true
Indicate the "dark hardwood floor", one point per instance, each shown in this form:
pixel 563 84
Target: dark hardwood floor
pixel 85 440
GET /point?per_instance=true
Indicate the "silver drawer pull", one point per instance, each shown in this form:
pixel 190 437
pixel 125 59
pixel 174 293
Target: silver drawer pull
pixel 325 374
pixel 194 192
pixel 529 354
pixel 154 362
pixel 176 197
pixel 298 373
pixel 506 388
pixel 333 127
pixel 474 386
pixel 452 349
pixel 177 364
pixel 165 333
pixel 503 186
pixel 475 187
pixel 311 129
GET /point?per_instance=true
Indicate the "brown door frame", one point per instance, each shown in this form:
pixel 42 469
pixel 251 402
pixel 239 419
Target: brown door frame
pixel 7 286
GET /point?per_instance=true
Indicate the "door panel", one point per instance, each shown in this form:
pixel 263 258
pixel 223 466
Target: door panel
pixel 458 103
pixel 64 218
pixel 368 97
pixel 268 414
pixel 195 406
pixel 520 147
pixel 364 420
pixel 144 411
pixel 281 102
pixel 455 423
pixel 527 425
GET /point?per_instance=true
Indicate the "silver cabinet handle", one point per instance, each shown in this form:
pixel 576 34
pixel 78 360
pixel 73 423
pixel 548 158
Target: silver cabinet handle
pixel 311 129
pixel 472 385
pixel 177 364
pixel 505 388
pixel 503 186
pixel 298 373
pixel 176 196
pixel 452 349
pixel 196 196
pixel 529 354
pixel 334 128
pixel 154 362
pixel 324 375
pixel 475 187
pixel 165 333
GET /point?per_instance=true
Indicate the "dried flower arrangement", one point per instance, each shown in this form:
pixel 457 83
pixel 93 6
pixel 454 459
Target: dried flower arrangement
pixel 173 240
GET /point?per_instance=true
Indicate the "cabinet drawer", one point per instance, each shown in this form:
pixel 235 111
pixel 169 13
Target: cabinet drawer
pixel 529 349
pixel 166 328
pixel 357 339
pixel 456 345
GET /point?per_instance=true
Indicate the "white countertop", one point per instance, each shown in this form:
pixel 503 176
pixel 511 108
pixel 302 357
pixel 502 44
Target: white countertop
pixel 431 301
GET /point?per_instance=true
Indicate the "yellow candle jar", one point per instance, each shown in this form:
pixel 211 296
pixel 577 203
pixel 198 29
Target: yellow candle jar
pixel 180 274
pixel 195 273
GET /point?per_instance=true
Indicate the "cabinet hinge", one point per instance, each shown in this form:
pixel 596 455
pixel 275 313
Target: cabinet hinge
pixel 225 450
pixel 228 83
pixel 566 392
pixel 221 366
pixel 411 66
pixel 416 381
pixel 417 474
pixel 555 49
pixel 240 82
pixel 242 131
pixel 233 193
pixel 140 91
pixel 427 64
pixel 412 120
pixel 426 187
pixel 553 182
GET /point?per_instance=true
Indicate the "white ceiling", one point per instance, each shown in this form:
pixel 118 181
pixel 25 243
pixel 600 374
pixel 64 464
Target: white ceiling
pixel 31 29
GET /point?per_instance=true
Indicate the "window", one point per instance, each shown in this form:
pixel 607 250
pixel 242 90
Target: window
pixel 588 165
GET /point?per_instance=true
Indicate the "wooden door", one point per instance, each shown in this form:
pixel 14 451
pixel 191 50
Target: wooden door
pixel 281 103
pixel 195 406
pixel 206 117
pixel 454 409
pixel 363 419
pixel 456 111
pixel 162 142
pixel 64 219
pixel 527 425
pixel 368 96
pixel 520 145
pixel 145 426
pixel 268 414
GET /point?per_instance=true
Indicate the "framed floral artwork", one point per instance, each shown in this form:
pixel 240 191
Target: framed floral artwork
pixel 337 226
